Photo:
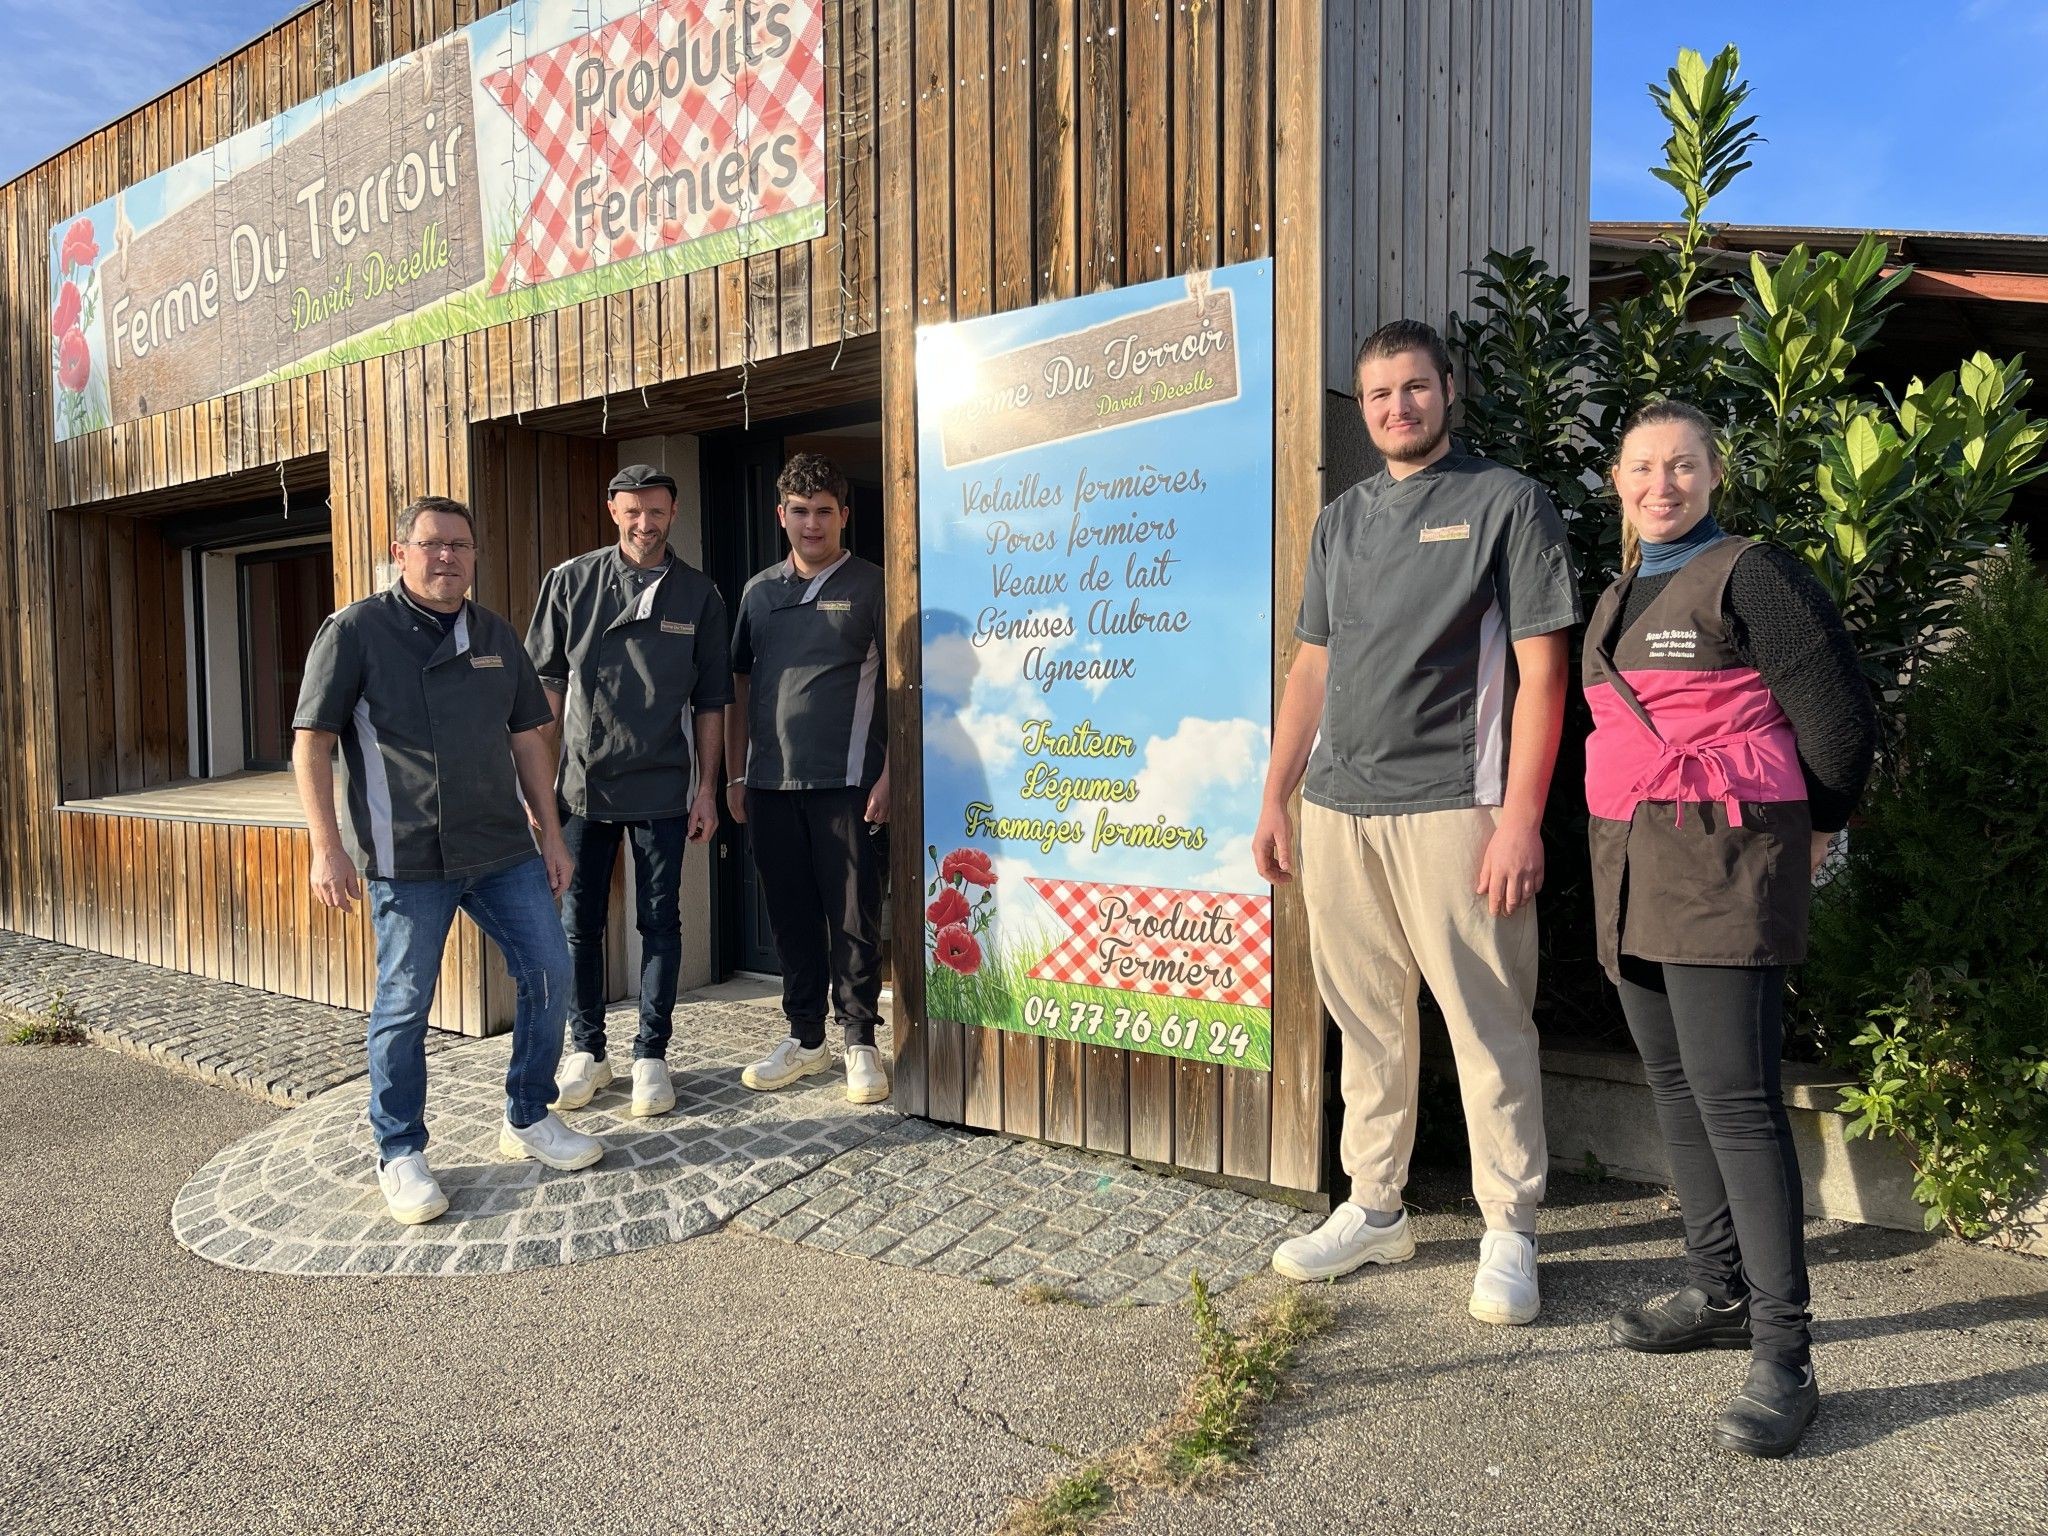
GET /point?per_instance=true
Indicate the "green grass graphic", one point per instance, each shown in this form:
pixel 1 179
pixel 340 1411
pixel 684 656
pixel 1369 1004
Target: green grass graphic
pixel 997 997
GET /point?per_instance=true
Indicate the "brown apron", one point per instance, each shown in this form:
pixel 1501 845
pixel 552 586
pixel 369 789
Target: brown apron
pixel 1699 826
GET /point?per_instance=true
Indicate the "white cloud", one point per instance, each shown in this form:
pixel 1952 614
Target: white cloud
pixel 976 738
pixel 1201 760
pixel 1233 869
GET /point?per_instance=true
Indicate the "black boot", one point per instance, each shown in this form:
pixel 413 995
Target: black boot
pixel 1770 1413
pixel 1672 1325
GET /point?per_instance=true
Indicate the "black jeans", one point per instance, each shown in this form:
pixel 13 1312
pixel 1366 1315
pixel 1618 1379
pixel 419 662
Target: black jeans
pixel 657 886
pixel 821 877
pixel 1711 1038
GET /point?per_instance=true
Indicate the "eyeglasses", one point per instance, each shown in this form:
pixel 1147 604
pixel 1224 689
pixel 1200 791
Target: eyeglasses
pixel 444 546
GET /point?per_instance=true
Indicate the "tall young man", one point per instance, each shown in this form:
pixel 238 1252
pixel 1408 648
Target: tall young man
pixel 439 718
pixel 1424 708
pixel 630 644
pixel 807 771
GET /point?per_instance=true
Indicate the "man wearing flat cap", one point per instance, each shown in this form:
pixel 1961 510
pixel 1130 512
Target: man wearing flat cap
pixel 632 647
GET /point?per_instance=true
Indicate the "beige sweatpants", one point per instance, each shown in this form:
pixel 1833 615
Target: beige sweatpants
pixel 1391 905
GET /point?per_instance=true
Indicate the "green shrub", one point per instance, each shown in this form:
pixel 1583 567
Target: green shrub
pixel 1891 503
pixel 1929 971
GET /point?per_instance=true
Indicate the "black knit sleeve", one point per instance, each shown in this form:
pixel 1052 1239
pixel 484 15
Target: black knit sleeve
pixel 1782 622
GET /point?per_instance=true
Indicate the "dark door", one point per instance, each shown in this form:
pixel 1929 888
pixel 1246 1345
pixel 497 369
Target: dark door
pixel 284 595
pixel 741 537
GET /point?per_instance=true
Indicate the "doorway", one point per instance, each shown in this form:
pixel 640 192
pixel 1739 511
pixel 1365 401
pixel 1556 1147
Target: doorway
pixel 741 537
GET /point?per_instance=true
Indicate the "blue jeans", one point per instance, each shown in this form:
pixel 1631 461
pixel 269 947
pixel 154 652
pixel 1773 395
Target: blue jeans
pixel 658 848
pixel 516 911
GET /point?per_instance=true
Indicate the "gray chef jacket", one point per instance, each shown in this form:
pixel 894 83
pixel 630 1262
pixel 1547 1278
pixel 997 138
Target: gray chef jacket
pixel 1419 587
pixel 813 646
pixel 634 654
pixel 425 719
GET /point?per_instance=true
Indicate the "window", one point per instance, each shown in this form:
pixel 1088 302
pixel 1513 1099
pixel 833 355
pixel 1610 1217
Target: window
pixel 257 587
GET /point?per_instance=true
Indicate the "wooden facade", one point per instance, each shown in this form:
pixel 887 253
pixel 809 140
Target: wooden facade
pixel 982 155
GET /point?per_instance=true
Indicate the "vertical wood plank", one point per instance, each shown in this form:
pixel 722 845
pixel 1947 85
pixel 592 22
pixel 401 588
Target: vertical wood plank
pixel 1148 137
pixel 910 1032
pixel 1297 1078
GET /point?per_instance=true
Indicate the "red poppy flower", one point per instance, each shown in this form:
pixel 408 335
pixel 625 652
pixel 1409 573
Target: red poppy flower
pixel 951 907
pixel 956 947
pixel 970 864
pixel 74 360
pixel 68 307
pixel 80 249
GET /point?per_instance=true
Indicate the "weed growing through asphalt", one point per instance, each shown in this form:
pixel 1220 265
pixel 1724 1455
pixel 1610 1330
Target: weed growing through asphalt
pixel 1210 1435
pixel 58 1024
pixel 1067 1508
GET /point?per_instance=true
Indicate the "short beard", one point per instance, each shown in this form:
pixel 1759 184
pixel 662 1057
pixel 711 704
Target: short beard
pixel 1417 455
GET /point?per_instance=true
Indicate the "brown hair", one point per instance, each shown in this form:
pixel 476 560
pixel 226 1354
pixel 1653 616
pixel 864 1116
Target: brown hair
pixel 810 474
pixel 1398 336
pixel 401 530
pixel 1658 413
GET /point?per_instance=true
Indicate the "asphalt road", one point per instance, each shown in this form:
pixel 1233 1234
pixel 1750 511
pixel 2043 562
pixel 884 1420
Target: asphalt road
pixel 737 1384
pixel 725 1384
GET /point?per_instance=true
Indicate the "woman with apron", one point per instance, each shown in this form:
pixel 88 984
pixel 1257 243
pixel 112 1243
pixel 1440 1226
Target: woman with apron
pixel 1732 735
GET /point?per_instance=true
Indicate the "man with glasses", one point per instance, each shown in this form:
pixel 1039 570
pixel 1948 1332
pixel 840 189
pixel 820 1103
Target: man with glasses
pixel 630 644
pixel 441 723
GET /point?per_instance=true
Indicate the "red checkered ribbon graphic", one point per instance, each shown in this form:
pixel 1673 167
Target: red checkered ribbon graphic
pixel 1210 945
pixel 657 155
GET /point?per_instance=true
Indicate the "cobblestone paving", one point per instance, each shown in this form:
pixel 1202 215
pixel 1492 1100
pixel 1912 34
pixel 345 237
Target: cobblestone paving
pixel 1017 1213
pixel 282 1049
pixel 300 1196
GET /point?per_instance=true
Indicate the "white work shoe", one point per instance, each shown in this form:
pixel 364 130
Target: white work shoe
pixel 1504 1290
pixel 653 1093
pixel 785 1064
pixel 1341 1244
pixel 549 1141
pixel 581 1076
pixel 866 1081
pixel 410 1192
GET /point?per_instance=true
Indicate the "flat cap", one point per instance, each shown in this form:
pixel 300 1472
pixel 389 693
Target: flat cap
pixel 642 477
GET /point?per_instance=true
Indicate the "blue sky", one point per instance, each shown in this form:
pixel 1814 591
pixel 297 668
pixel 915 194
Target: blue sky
pixel 1878 111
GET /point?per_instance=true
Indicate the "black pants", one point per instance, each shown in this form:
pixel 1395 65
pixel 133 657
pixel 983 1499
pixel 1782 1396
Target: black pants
pixel 657 886
pixel 821 876
pixel 1711 1038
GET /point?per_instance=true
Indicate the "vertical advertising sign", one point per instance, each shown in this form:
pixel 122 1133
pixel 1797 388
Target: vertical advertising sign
pixel 1095 516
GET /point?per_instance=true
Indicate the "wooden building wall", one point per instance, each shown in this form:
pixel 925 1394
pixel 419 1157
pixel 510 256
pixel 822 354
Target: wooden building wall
pixel 1033 150
pixel 1455 127
pixel 90 706
pixel 983 155
pixel 1036 149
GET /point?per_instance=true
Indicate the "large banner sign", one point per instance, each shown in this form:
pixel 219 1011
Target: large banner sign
pixel 552 152
pixel 1096 523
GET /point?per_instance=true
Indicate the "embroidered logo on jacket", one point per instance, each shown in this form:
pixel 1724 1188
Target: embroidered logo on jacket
pixel 1446 532
pixel 1673 642
pixel 677 627
pixel 486 661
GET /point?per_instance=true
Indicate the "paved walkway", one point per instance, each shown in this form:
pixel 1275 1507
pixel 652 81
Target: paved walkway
pixel 300 1195
pixel 278 1048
